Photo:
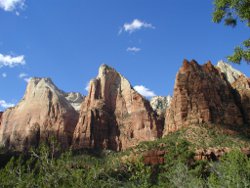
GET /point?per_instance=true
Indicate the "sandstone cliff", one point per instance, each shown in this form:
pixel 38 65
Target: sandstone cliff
pixel 242 87
pixel 231 74
pixel 75 99
pixel 43 112
pixel 202 94
pixel 113 115
pixel 160 104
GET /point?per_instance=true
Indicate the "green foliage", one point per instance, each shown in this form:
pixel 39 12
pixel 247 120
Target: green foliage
pixel 230 11
pixel 232 171
pixel 46 167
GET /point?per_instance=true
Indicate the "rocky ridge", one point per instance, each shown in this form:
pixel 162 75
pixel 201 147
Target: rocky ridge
pixel 42 113
pixel 113 115
pixel 231 74
pixel 160 104
pixel 202 94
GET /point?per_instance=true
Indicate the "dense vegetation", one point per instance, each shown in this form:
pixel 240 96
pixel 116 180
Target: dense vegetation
pixel 231 11
pixel 45 167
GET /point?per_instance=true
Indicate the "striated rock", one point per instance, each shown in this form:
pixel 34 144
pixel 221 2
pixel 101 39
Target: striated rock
pixel 43 112
pixel 160 104
pixel 231 74
pixel 242 86
pixel 113 115
pixel 201 95
pixel 211 154
pixel 154 157
pixel 75 99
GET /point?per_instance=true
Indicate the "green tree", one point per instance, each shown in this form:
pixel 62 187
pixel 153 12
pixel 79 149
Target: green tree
pixel 230 12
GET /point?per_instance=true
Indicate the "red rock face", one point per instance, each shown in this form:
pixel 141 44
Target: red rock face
pixel 42 113
pixel 1 114
pixel 242 87
pixel 113 115
pixel 201 95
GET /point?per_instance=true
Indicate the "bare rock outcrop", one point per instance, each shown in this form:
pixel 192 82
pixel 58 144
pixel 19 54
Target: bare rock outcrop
pixel 160 104
pixel 231 74
pixel 113 115
pixel 75 99
pixel 242 87
pixel 202 94
pixel 42 113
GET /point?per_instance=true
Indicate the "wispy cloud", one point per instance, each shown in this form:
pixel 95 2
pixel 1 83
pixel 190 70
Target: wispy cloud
pixel 24 76
pixel 133 49
pixel 135 25
pixel 11 61
pixel 4 75
pixel 87 86
pixel 12 5
pixel 4 104
pixel 144 91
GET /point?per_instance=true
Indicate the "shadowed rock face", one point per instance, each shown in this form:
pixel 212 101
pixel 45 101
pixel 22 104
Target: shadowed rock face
pixel 113 115
pixel 201 95
pixel 43 112
pixel 75 99
pixel 231 74
pixel 242 87
pixel 160 104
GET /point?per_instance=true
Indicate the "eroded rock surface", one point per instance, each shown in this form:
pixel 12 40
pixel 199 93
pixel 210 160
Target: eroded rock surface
pixel 113 115
pixel 202 94
pixel 160 104
pixel 231 74
pixel 42 113
pixel 242 87
pixel 75 99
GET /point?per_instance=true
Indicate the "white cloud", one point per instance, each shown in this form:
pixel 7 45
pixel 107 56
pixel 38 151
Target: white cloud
pixel 135 25
pixel 22 75
pixel 11 5
pixel 25 77
pixel 144 91
pixel 4 104
pixel 11 61
pixel 87 86
pixel 4 75
pixel 133 49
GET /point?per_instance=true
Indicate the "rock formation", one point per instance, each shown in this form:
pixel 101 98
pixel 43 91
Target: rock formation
pixel 160 104
pixel 75 99
pixel 242 87
pixel 43 112
pixel 202 95
pixel 113 115
pixel 231 74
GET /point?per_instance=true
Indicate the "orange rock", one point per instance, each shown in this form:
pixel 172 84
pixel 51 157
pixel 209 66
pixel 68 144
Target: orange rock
pixel 113 115
pixel 201 95
pixel 42 113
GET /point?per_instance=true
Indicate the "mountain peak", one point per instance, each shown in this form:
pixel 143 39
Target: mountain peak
pixel 231 73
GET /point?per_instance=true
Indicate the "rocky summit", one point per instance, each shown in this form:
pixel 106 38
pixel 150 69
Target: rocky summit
pixel 231 74
pixel 113 115
pixel 202 94
pixel 42 113
pixel 160 104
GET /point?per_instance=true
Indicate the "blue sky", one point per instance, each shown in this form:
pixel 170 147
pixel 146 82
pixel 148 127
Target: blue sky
pixel 145 40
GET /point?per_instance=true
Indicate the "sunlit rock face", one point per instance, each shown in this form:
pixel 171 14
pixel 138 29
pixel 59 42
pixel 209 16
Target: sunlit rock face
pixel 75 99
pixel 242 87
pixel 42 113
pixel 231 74
pixel 113 115
pixel 202 94
pixel 160 104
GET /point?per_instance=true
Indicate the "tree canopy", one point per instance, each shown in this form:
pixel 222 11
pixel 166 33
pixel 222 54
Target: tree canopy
pixel 230 12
